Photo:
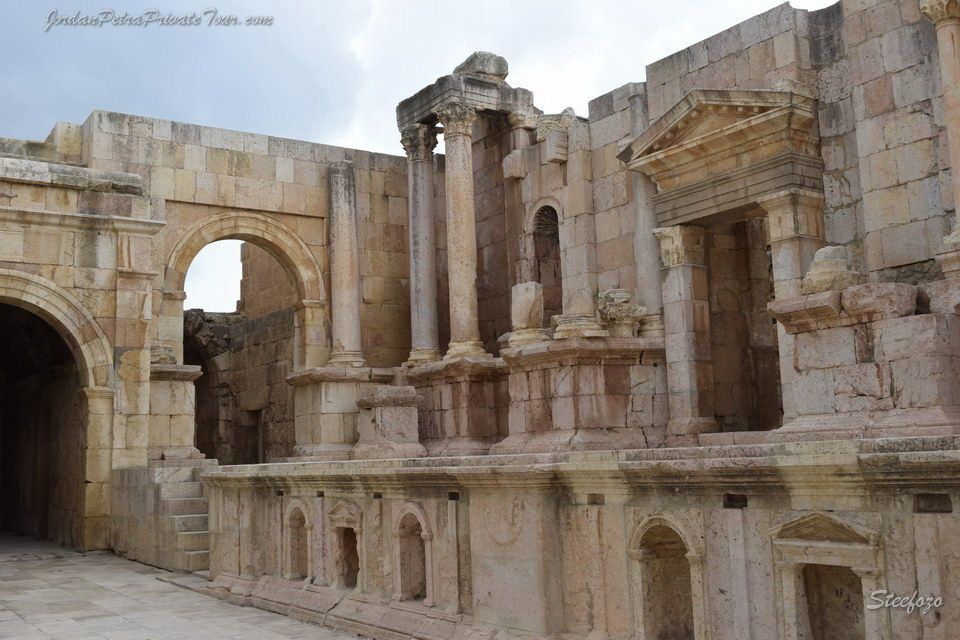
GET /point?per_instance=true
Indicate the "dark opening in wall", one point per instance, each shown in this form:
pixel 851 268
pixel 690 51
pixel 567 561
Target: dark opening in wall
pixel 546 260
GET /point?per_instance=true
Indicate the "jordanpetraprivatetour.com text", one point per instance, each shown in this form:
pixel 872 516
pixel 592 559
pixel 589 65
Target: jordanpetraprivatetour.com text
pixel 153 18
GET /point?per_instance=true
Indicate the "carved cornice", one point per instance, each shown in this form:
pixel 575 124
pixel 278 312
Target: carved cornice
pixel 418 141
pixel 457 119
pixel 680 244
pixel 937 11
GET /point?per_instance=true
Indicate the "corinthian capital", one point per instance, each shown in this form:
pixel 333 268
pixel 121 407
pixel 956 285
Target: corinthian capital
pixel 457 118
pixel 418 140
pixel 937 11
pixel 680 244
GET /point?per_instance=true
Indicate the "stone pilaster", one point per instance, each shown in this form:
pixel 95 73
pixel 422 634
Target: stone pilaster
pixel 457 120
pixel 795 228
pixel 419 141
pixel 344 268
pixel 945 15
pixel 646 251
pixel 686 316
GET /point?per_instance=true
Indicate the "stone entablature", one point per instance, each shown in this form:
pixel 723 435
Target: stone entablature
pixel 718 151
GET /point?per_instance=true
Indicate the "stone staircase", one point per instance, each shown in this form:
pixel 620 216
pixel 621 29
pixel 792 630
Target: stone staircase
pixel 182 513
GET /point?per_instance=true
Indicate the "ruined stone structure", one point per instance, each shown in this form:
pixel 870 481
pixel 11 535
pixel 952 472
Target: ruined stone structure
pixel 686 368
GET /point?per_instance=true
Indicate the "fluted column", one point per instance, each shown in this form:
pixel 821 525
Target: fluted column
pixel 344 268
pixel 419 141
pixel 945 15
pixel 457 120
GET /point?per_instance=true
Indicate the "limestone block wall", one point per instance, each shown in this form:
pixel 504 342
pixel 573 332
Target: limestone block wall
pixel 193 173
pixel 265 287
pixel 874 69
pixel 622 546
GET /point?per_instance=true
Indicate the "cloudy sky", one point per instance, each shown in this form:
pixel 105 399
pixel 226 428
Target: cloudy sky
pixel 328 71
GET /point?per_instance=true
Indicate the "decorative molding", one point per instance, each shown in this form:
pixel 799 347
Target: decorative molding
pixel 681 244
pixel 457 118
pixel 939 11
pixel 419 141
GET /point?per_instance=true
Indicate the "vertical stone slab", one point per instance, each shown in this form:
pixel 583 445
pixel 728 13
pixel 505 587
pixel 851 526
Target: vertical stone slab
pixel 945 14
pixel 515 559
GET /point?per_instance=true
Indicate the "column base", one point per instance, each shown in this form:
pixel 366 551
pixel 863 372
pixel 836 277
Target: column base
pixel 347 359
pixel 652 326
pixel 323 451
pixel 420 356
pixel 684 431
pixel 520 337
pixel 469 348
pixel 577 326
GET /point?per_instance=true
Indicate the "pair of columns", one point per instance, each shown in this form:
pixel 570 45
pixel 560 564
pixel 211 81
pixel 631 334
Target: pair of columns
pixel 795 227
pixel 419 141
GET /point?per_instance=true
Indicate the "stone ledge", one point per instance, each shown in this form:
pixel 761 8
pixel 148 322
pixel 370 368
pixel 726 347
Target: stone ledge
pixel 68 176
pixel 184 372
pixel 576 350
pixel 854 305
pixel 341 374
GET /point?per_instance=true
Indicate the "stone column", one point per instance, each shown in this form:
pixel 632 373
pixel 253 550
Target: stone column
pixel 344 268
pixel 457 120
pixel 419 141
pixel 795 228
pixel 686 318
pixel 646 252
pixel 945 14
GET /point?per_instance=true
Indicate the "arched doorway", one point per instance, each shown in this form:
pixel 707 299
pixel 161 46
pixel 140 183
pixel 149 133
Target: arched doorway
pixel 546 259
pixel 41 430
pixel 56 414
pixel 245 407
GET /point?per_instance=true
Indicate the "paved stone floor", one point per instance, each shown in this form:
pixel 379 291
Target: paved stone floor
pixel 49 592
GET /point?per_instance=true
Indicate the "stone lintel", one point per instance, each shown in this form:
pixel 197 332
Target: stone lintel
pixel 858 304
pixel 341 374
pixel 585 351
pixel 184 372
pixel 479 367
pixel 481 92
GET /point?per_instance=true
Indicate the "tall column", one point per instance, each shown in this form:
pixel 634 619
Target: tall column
pixel 795 227
pixel 686 319
pixel 344 268
pixel 945 15
pixel 457 120
pixel 419 141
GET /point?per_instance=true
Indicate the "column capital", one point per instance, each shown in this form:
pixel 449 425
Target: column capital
pixel 457 118
pixel 681 244
pixel 418 141
pixel 939 11
pixel 792 213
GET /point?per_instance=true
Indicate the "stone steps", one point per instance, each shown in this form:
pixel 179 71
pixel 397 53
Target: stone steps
pixel 192 489
pixel 189 523
pixel 185 506
pixel 193 541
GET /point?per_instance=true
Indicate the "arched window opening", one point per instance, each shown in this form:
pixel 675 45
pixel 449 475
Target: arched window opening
pixel 298 562
pixel 834 598
pixel 41 430
pixel 546 260
pixel 349 557
pixel 413 574
pixel 239 327
pixel 666 591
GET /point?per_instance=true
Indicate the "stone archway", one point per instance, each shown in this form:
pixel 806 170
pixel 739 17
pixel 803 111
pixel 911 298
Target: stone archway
pixel 412 555
pixel 87 526
pixel 311 347
pixel 667 578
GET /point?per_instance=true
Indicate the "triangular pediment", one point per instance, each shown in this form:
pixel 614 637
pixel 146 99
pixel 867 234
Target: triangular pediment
pixel 820 527
pixel 703 112
pixel 345 513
